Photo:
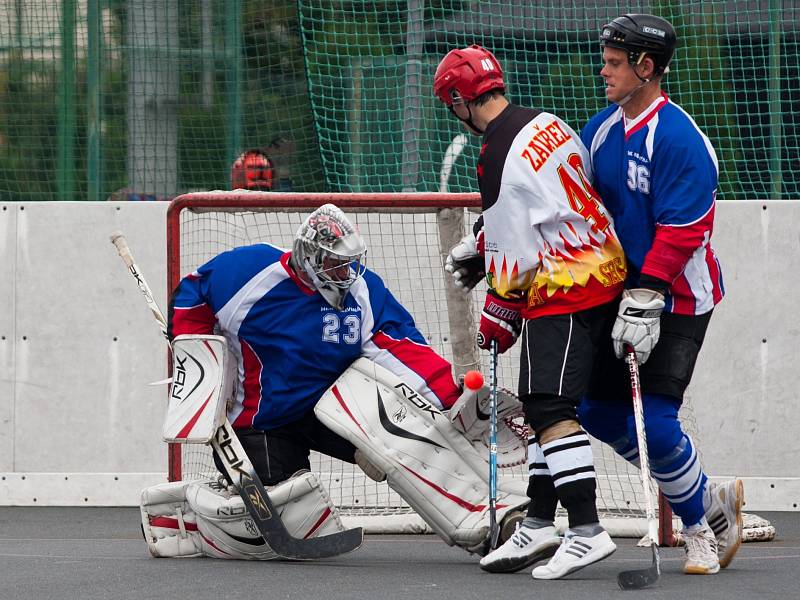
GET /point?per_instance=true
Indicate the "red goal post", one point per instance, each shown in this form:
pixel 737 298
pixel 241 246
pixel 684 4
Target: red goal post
pixel 408 236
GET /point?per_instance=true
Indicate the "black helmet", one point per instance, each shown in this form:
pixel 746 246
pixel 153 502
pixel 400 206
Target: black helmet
pixel 639 35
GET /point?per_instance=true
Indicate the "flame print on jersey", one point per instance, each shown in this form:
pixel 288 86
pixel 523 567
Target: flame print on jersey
pixel 576 262
pixel 577 254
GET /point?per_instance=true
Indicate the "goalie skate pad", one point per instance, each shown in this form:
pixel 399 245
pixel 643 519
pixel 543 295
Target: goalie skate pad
pixel 427 461
pixel 206 518
pixel 201 384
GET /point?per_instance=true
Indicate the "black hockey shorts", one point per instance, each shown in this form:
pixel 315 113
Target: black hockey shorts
pixel 556 357
pixel 669 369
pixel 279 453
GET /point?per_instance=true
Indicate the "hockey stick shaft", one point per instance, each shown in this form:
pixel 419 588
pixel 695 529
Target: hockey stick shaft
pixel 240 470
pixel 640 578
pixel 127 257
pixel 494 529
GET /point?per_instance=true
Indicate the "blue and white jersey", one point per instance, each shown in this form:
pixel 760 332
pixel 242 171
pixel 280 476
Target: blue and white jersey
pixel 657 175
pixel 290 343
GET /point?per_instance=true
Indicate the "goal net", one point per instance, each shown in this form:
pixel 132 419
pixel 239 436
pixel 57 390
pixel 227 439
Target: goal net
pixel 408 237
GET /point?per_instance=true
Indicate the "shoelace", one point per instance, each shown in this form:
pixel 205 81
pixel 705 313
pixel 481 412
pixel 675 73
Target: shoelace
pixel 699 542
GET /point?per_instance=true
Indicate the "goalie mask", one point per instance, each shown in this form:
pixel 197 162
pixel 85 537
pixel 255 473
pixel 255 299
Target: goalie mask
pixel 329 250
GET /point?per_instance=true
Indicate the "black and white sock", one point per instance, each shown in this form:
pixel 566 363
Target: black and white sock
pixel 569 460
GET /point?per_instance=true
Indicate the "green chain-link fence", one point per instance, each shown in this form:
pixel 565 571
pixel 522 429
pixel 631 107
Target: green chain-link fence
pixel 150 98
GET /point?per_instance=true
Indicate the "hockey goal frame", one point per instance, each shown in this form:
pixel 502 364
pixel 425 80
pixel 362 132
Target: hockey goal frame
pixel 449 207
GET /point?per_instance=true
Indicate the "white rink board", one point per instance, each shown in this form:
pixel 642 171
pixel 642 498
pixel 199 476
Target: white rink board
pixel 77 415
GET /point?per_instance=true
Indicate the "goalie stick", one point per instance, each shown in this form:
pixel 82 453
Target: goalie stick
pixel 450 156
pixel 241 472
pixel 640 578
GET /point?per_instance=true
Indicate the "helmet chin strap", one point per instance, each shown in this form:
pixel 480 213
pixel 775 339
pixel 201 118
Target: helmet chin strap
pixel 643 83
pixel 468 121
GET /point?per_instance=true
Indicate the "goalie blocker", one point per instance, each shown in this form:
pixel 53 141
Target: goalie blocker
pixel 440 473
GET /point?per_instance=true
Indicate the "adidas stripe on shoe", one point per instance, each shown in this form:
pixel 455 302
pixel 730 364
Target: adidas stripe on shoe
pixel 575 553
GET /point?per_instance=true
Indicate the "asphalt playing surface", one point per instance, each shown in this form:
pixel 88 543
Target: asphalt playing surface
pixel 98 553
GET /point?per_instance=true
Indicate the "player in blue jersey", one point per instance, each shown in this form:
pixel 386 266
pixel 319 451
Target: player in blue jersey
pixel 657 174
pixel 296 321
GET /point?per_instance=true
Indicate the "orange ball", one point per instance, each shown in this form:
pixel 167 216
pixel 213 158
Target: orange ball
pixel 473 380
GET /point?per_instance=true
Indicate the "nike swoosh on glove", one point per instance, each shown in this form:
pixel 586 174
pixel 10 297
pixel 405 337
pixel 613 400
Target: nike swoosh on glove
pixel 638 322
pixel 501 320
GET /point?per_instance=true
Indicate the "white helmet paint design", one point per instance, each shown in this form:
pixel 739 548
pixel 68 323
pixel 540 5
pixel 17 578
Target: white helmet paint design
pixel 329 249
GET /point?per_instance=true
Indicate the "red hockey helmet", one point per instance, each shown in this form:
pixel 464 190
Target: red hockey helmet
pixel 466 73
pixel 253 170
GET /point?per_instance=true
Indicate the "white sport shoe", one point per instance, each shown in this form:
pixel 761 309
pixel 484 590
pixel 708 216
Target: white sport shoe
pixel 574 553
pixel 701 551
pixel 525 547
pixel 725 518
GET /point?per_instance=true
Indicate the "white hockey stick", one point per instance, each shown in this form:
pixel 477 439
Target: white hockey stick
pixel 241 472
pixel 450 156
pixel 640 578
pixel 125 253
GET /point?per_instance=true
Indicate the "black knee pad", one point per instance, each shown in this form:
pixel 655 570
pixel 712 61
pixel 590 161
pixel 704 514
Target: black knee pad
pixel 544 410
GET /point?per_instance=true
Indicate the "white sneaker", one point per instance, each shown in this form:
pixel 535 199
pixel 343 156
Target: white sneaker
pixel 525 547
pixel 574 553
pixel 725 518
pixel 701 551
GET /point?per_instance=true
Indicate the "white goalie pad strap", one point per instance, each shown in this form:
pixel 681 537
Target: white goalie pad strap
pixel 206 518
pixel 168 523
pixel 427 461
pixel 203 373
pixel 470 415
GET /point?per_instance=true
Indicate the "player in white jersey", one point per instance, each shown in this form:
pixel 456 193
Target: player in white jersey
pixel 555 271
pixel 657 173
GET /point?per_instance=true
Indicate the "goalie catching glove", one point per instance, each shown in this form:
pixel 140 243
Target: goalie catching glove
pixel 501 320
pixel 466 263
pixel 638 322
pixel 470 416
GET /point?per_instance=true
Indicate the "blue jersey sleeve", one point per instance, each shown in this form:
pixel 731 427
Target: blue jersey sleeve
pixel 684 180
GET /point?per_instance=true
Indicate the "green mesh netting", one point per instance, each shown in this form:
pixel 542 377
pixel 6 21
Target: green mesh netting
pixel 150 98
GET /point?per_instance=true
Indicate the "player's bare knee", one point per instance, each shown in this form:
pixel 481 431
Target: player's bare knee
pixel 559 430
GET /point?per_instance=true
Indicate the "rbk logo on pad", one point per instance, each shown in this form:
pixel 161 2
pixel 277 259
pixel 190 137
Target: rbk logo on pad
pixel 180 376
pixel 399 431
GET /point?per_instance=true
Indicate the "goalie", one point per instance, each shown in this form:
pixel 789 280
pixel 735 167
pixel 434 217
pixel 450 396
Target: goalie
pixel 328 360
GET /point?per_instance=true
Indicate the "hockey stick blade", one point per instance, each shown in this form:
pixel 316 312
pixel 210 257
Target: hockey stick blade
pixel 641 578
pixel 266 516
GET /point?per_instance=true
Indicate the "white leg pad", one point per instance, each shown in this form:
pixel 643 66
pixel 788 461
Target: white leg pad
pixel 428 462
pixel 168 523
pixel 216 521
